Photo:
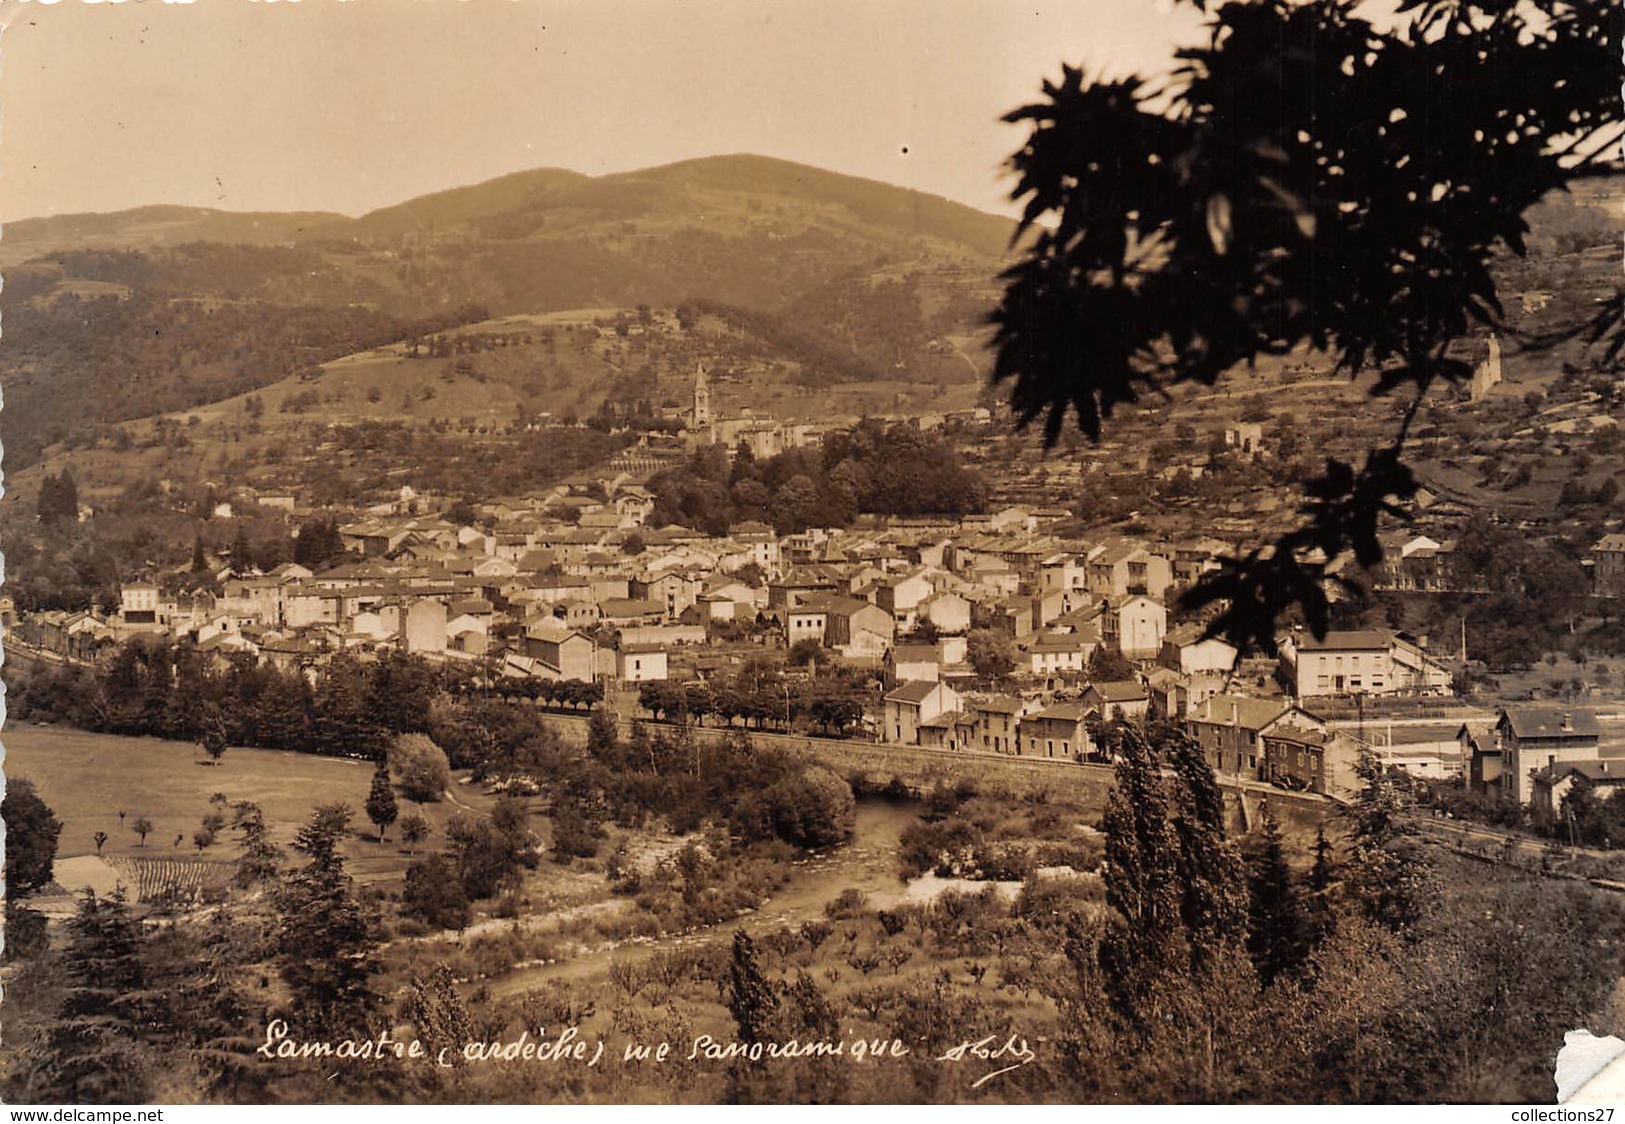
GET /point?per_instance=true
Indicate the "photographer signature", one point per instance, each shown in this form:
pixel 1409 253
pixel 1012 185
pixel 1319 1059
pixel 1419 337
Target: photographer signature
pixel 988 1050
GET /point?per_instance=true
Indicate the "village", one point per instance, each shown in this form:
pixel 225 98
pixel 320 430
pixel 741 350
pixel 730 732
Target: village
pixel 976 634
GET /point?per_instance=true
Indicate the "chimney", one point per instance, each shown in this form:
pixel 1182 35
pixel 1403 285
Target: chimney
pixel 1568 721
pixel 1235 713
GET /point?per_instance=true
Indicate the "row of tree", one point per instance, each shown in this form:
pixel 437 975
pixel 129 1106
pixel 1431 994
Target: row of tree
pixel 835 702
pixel 166 690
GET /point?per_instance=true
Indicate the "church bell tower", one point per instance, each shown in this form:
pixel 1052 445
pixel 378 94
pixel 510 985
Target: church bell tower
pixel 700 419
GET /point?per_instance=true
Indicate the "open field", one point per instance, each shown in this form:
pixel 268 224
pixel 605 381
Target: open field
pixel 88 779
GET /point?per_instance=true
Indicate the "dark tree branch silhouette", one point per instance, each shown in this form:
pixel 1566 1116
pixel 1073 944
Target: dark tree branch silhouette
pixel 1305 179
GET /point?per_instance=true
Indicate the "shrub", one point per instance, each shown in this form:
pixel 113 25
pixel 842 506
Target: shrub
pixel 849 903
pixel 421 767
pixel 813 808
pixel 434 894
pixel 574 835
pixel 25 933
pixel 948 848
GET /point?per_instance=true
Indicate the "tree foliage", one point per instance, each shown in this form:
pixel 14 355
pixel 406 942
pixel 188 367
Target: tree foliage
pixel 1276 928
pixel 381 809
pixel 91 1053
pixel 812 808
pixel 434 894
pixel 58 502
pixel 31 837
pixel 1142 871
pixel 421 767
pixel 1305 178
pixel 261 859
pixel 990 653
pixel 325 935
pixel 893 470
pixel 752 999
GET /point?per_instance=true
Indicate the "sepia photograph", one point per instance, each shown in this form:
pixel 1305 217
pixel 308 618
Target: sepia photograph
pixel 803 552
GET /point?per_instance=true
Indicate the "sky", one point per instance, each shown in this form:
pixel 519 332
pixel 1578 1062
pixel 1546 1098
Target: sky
pixel 350 105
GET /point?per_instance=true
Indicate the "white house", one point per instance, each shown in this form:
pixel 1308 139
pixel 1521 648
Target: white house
pixel 920 663
pixel 1135 624
pixel 1052 652
pixel 425 628
pixel 1368 662
pixel 138 603
pixel 640 664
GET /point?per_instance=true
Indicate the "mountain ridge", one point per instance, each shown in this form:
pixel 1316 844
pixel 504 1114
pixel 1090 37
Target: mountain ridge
pixel 158 225
pixel 155 309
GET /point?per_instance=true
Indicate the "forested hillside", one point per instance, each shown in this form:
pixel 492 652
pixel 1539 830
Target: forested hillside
pixel 163 309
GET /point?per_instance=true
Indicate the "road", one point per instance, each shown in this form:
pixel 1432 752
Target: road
pixel 1461 833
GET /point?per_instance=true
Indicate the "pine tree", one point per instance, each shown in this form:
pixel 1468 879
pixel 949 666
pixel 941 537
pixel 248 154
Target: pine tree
pixel 1276 922
pixel 217 1018
pixel 603 734
pixel 241 553
pixel 1142 874
pixel 324 934
pixel 91 1054
pixel 261 859
pixel 752 999
pixel 381 809
pixel 1320 920
pixel 1321 874
pixel 1213 901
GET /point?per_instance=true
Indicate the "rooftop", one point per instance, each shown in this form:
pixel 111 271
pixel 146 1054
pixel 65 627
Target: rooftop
pixel 1248 713
pixel 1551 722
pixel 914 691
pixel 1366 640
